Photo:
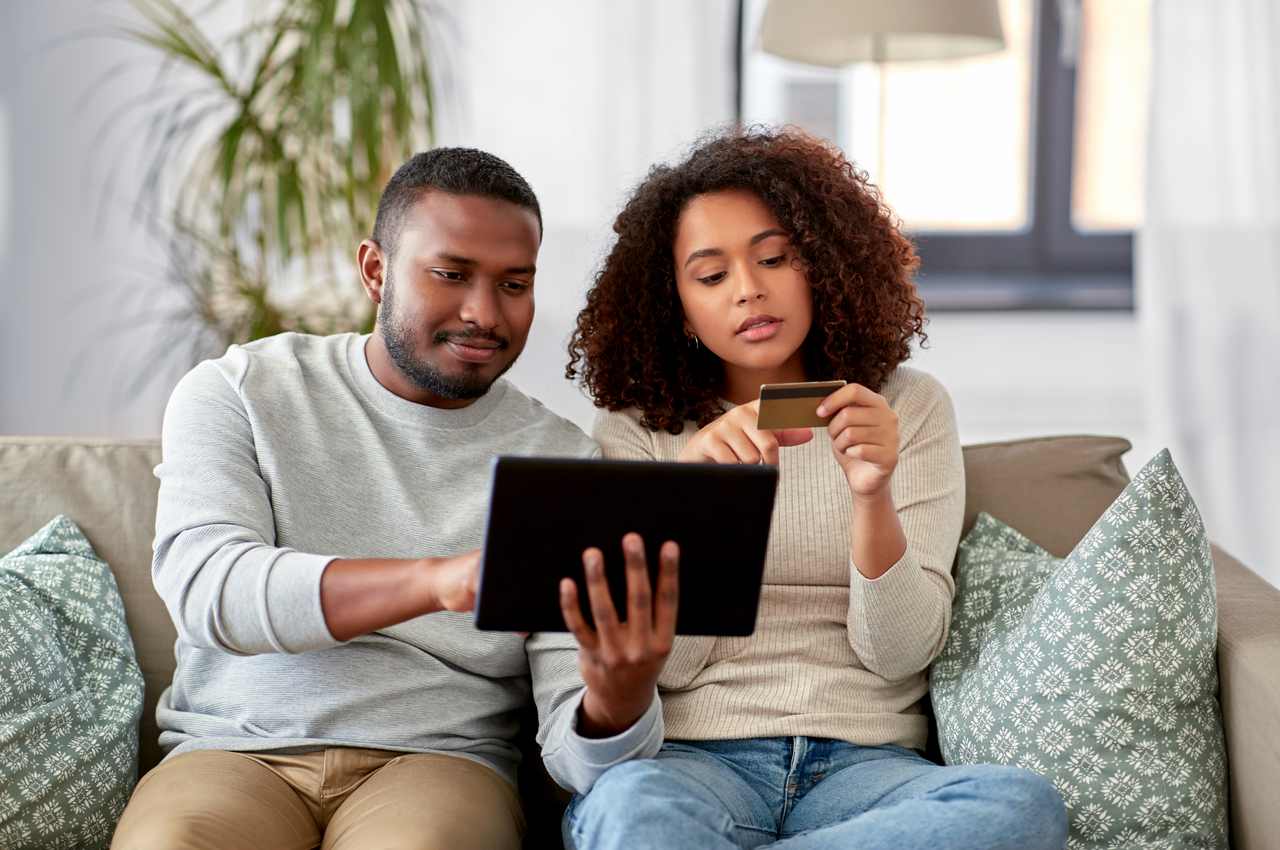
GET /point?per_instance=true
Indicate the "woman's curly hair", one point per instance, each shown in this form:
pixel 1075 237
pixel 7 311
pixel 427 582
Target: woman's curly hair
pixel 629 347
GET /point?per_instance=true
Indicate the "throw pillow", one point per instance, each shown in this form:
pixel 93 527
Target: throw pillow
pixel 1097 670
pixel 70 695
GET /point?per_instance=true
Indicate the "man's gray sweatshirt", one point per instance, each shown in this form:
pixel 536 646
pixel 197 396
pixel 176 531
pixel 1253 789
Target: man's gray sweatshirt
pixel 287 453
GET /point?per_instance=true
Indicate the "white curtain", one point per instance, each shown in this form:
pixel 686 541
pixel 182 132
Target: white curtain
pixel 1208 263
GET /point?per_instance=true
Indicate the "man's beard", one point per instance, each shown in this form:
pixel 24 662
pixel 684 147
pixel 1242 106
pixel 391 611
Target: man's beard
pixel 399 341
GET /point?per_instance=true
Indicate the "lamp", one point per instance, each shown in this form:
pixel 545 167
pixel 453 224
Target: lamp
pixel 838 32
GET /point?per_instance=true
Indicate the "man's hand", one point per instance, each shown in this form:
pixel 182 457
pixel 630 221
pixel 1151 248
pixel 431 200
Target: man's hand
pixel 359 596
pixel 452 583
pixel 620 662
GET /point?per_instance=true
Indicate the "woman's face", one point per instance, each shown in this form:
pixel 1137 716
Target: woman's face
pixel 741 285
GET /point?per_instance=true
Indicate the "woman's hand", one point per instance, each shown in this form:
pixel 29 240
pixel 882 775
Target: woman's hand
pixel 734 438
pixel 864 438
pixel 620 662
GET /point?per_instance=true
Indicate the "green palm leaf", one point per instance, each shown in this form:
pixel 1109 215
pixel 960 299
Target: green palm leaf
pixel 272 163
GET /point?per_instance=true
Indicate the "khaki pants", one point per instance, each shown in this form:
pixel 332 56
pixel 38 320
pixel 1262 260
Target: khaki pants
pixel 337 799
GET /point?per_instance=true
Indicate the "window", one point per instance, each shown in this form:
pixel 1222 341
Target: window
pixel 1018 174
pixel 1112 79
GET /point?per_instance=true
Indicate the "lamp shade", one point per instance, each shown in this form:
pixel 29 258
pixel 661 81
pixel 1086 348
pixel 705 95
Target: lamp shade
pixel 838 32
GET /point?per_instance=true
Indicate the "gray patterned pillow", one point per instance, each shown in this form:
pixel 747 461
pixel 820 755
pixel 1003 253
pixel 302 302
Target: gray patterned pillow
pixel 1097 670
pixel 70 695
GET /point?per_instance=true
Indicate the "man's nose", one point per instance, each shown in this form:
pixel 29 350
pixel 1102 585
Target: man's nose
pixel 480 307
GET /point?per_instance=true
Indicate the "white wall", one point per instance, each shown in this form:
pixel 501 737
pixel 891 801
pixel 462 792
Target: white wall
pixel 581 138
pixel 1028 374
pixel 531 90
pixel 588 96
pixel 568 91
pixel 74 283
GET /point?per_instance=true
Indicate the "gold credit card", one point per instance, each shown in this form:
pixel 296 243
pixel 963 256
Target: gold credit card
pixel 794 405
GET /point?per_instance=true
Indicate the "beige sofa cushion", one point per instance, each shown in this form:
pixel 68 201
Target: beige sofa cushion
pixel 1051 489
pixel 109 490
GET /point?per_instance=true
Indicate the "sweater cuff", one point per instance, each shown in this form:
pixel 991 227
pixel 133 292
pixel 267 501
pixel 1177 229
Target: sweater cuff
pixel 894 609
pixel 641 740
pixel 289 609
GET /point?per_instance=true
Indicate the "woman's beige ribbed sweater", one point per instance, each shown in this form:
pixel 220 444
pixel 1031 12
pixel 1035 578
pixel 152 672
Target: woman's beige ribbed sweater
pixel 834 655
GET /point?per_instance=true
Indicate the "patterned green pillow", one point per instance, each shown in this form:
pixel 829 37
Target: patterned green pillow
pixel 70 695
pixel 1097 670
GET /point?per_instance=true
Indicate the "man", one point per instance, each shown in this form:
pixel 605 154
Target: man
pixel 323 694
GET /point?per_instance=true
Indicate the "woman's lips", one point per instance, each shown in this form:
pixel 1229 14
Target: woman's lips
pixel 761 332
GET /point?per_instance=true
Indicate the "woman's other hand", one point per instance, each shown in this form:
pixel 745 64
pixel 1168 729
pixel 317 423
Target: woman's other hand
pixel 864 437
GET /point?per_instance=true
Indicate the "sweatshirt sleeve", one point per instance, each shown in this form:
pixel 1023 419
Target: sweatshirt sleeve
pixel 899 621
pixel 573 761
pixel 226 584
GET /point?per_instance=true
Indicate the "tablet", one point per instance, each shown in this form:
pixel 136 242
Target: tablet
pixel 543 512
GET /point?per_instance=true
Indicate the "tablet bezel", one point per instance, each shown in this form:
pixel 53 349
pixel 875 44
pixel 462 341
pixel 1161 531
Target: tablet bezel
pixel 720 514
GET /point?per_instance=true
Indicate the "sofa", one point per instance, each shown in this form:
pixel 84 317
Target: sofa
pixel 1052 489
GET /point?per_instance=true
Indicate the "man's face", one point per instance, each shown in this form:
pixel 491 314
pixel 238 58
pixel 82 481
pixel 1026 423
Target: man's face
pixel 457 294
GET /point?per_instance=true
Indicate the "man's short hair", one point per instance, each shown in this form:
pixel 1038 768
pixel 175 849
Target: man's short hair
pixel 458 171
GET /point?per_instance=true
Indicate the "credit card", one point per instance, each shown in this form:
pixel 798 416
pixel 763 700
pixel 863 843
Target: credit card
pixel 794 405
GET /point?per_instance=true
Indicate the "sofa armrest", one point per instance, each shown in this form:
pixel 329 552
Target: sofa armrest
pixel 1249 680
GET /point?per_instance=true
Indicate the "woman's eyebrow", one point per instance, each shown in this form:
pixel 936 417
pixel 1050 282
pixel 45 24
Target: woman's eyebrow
pixel 703 252
pixel 765 234
pixel 716 252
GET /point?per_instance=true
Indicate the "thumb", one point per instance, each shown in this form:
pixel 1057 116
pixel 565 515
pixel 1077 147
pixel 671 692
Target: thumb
pixel 793 436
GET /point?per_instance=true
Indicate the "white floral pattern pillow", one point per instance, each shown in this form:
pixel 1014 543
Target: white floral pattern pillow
pixel 70 695
pixel 1098 670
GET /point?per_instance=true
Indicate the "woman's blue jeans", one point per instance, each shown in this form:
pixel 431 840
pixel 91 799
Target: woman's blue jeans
pixel 812 793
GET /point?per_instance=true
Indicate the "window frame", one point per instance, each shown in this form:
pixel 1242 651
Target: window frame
pixel 1050 265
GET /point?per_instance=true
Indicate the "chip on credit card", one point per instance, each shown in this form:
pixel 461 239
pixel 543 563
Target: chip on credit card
pixel 794 405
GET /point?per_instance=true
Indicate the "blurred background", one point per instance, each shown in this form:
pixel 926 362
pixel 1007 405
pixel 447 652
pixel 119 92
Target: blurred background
pixel 1094 186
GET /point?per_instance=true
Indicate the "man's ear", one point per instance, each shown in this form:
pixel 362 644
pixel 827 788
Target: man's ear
pixel 372 263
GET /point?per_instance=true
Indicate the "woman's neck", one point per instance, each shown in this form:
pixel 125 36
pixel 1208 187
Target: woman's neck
pixel 742 385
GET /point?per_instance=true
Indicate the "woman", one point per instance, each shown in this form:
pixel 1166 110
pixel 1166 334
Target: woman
pixel 765 257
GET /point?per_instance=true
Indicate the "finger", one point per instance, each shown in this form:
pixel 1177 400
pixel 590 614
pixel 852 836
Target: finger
pixel 717 451
pixel 856 434
pixel 766 444
pixel 847 416
pixel 639 598
pixel 793 436
pixel 468 600
pixel 667 607
pixel 606 616
pixel 870 453
pixel 572 613
pixel 742 446
pixel 850 394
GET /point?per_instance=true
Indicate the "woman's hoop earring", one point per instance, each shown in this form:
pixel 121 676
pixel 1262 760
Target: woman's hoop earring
pixel 693 338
